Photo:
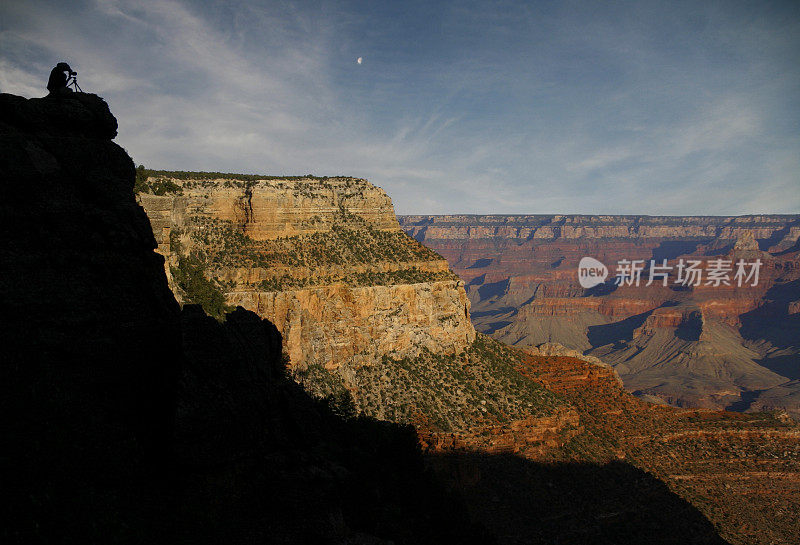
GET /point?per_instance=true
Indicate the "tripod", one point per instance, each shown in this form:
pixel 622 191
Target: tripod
pixel 73 81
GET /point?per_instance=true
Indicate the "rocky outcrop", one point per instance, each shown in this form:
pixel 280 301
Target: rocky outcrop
pixel 266 209
pixel 323 258
pixel 555 349
pixel 91 338
pixel 701 345
pixel 92 346
pixel 746 242
pixel 530 437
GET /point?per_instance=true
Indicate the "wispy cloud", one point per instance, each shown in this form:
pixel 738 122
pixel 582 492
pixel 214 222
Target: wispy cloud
pixel 469 107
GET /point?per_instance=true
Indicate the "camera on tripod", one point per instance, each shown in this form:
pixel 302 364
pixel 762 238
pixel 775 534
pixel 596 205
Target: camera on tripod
pixel 72 81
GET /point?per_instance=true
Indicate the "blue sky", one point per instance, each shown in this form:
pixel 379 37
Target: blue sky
pixel 458 107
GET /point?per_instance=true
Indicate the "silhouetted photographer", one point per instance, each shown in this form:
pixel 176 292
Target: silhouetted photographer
pixel 61 78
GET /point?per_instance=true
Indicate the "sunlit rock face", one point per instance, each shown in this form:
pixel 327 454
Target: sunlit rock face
pixel 323 258
pixel 705 345
pixel 340 325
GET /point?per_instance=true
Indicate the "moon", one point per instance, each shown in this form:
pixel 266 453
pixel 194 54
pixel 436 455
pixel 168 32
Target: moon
pixel 359 60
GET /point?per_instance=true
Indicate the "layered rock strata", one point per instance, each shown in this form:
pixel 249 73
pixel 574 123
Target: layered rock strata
pixel 323 258
pixel 568 470
pixel 702 345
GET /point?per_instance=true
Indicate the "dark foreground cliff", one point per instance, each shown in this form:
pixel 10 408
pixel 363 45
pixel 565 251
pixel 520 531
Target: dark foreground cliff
pixel 129 420
pixel 91 334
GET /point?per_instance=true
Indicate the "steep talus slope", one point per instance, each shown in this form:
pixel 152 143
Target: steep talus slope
pixel 708 346
pixel 127 420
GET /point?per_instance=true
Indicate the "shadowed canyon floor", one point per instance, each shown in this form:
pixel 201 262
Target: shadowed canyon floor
pixel 134 421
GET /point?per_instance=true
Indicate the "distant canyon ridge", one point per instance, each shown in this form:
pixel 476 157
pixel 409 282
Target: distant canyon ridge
pixel 714 346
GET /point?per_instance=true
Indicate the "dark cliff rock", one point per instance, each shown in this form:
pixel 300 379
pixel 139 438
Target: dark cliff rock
pixel 91 333
pixel 78 114
pixel 260 461
pixel 127 420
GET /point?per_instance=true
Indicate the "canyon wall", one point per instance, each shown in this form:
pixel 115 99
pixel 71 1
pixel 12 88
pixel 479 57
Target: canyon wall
pixel 323 258
pixel 772 230
pixel 701 345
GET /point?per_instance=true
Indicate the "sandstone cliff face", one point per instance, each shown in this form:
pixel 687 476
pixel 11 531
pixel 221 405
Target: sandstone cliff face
pixel 269 208
pixel 346 326
pixel 706 345
pixel 324 259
